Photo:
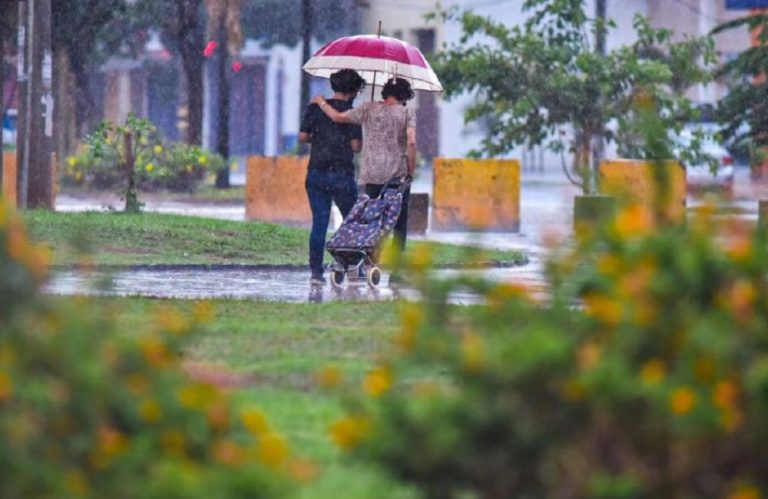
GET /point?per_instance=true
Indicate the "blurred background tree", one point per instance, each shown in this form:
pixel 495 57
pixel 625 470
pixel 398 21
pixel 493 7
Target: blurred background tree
pixel 544 82
pixel 743 112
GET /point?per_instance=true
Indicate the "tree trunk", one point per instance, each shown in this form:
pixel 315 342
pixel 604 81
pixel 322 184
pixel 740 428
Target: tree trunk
pixel 582 163
pixel 192 64
pixel 222 123
pixel 65 139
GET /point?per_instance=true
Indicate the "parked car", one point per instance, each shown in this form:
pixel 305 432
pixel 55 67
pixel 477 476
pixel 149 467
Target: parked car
pixel 703 173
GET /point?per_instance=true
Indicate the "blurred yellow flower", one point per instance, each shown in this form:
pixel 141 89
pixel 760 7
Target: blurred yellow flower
pixel 72 161
pixel 746 492
pixel 329 376
pixel 17 243
pixel 273 450
pixel 6 386
pixel 725 394
pixel 158 149
pixel 203 159
pixel 78 176
pixel 588 356
pixel 150 411
pixel 653 372
pixel 348 432
pixel 155 352
pixel 682 400
pixel 111 441
pixel 234 166
pixel 609 264
pixel 606 310
pixel 149 167
pixel 203 311
pixel 189 168
pixel 378 381
pixel 171 320
pixel 473 352
pixel 7 355
pixel 635 220
pixel 254 421
pixel 740 298
pixel 143 140
pixel 195 396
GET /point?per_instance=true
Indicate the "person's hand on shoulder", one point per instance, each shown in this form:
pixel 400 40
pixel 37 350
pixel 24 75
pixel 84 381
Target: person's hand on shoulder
pixel 318 99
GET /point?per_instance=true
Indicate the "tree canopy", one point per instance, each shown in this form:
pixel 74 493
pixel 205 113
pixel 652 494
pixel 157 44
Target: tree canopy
pixel 544 83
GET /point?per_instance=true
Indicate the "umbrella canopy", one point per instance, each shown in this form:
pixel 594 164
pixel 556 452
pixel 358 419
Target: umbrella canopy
pixel 376 58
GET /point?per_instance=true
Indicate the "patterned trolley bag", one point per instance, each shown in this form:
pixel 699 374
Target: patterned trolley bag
pixel 354 245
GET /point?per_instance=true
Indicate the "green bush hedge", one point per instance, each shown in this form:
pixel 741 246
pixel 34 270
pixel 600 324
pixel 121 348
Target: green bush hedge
pixel 88 412
pixel 645 374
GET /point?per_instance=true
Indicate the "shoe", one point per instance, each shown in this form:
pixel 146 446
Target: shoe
pixel 317 280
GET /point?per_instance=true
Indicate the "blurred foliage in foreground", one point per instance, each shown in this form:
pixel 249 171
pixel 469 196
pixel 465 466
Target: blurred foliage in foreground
pixel 644 374
pixel 85 412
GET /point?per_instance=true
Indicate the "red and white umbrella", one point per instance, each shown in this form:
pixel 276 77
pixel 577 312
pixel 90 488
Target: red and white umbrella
pixel 376 58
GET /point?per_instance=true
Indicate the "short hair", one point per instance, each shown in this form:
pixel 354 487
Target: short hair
pixel 347 81
pixel 399 88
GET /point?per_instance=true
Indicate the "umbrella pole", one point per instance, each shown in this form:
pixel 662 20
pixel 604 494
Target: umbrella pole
pixel 373 86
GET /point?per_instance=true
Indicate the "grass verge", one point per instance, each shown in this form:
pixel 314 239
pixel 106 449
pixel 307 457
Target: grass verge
pixel 154 238
pixel 278 348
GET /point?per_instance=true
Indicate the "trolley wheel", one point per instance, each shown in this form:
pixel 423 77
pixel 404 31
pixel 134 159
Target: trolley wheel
pixel 374 277
pixel 337 278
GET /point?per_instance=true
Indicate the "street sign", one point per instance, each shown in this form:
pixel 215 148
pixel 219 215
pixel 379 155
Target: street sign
pixel 746 4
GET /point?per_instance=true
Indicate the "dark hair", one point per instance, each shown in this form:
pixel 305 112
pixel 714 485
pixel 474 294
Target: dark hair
pixel 347 81
pixel 399 88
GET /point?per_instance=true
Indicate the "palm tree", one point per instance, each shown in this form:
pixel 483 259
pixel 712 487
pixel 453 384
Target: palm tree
pixel 224 26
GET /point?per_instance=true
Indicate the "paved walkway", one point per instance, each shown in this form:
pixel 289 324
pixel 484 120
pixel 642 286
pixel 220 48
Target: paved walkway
pixel 546 215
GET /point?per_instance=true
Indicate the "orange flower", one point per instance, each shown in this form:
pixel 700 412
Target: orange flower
pixel 348 432
pixel 273 450
pixel 740 297
pixel 682 400
pixel 634 220
pixel 255 421
pixel 746 492
pixel 725 394
pixel 588 356
pixel 378 381
pixel 171 320
pixel 604 309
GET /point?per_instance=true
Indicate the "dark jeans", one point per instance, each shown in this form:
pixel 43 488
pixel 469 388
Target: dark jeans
pixel 401 227
pixel 324 187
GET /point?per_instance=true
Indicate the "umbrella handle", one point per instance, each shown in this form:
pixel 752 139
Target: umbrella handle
pixel 373 85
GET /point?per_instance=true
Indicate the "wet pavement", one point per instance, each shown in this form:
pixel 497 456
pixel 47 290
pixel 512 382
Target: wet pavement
pixel 546 217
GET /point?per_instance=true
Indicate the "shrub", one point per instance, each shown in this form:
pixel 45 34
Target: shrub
pixel 133 156
pixel 88 412
pixel 644 375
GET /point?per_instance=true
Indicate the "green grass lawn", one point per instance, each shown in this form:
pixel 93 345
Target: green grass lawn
pixel 280 347
pixel 153 238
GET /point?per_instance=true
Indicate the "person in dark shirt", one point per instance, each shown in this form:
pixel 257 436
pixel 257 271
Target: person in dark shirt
pixel 331 171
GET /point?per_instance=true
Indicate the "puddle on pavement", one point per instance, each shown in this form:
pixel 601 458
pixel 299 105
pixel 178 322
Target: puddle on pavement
pixel 265 285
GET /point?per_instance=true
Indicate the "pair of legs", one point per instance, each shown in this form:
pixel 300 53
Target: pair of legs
pixel 401 227
pixel 323 188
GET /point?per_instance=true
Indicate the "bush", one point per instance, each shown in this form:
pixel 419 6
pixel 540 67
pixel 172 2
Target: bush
pixel 133 156
pixel 88 412
pixel 644 375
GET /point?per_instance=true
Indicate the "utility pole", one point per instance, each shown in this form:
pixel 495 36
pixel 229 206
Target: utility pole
pixel 306 46
pixel 40 193
pixel 24 71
